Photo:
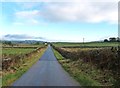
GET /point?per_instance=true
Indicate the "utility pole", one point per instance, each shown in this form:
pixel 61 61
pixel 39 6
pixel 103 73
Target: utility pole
pixel 83 42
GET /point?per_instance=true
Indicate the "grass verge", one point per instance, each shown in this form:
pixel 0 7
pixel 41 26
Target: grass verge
pixel 10 76
pixel 82 72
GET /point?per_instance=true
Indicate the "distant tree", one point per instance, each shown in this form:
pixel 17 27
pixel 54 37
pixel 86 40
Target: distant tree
pixel 118 39
pixel 37 43
pixel 7 42
pixel 106 40
pixel 113 39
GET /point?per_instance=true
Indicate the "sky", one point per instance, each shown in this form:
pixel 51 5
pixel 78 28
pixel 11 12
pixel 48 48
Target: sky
pixel 52 20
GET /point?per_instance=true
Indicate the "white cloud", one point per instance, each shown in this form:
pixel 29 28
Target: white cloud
pixel 27 14
pixel 72 11
pixel 28 17
pixel 82 12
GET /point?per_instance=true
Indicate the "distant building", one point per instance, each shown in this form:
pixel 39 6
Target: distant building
pixel 45 43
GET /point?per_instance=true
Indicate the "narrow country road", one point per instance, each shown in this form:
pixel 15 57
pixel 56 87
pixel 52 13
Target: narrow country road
pixel 46 72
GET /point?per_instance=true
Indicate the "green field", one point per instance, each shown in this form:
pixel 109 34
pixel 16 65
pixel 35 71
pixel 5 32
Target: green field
pixel 16 51
pixel 19 48
pixel 90 44
pixel 23 45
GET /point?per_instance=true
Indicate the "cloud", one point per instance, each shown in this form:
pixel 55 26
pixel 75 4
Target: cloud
pixel 15 36
pixel 27 14
pixel 94 12
pixel 89 11
pixel 21 37
pixel 28 17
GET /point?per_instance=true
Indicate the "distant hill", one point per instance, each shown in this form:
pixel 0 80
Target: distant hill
pixel 22 42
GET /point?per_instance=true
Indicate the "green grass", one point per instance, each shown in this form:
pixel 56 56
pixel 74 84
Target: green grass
pixel 0 82
pixel 31 45
pixel 61 44
pixel 16 51
pixel 23 45
pixel 58 55
pixel 9 77
pixel 82 72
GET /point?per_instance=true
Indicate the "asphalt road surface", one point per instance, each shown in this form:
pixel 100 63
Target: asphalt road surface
pixel 46 72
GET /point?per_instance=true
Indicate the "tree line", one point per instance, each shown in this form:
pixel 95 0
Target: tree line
pixel 112 39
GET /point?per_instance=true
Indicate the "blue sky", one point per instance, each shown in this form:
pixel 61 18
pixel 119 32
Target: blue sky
pixel 67 21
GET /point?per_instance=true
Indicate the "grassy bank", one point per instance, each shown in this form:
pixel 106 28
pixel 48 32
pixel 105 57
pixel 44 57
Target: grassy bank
pixel 15 72
pixel 86 74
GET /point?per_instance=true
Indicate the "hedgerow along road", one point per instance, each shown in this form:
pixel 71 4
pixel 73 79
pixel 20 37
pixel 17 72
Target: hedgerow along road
pixel 46 72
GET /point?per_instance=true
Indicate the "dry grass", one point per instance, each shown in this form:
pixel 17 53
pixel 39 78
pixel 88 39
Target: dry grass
pixel 78 49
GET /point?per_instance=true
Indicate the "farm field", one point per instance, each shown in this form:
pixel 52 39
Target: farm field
pixel 18 59
pixel 16 51
pixel 23 45
pixel 21 49
pixel 90 66
pixel 86 44
pixel 78 49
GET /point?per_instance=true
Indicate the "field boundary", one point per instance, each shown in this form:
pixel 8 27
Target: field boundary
pixel 16 71
pixel 92 75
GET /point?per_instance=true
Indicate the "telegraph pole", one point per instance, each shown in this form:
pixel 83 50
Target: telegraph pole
pixel 83 42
